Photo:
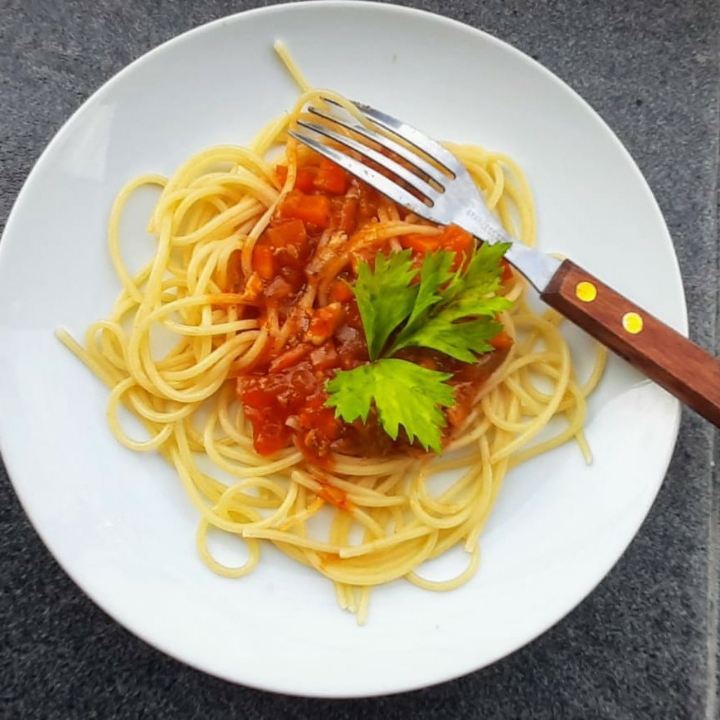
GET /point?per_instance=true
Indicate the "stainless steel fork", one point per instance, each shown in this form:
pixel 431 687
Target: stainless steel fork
pixel 443 192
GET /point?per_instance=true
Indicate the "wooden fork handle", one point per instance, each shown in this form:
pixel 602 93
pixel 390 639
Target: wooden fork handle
pixel 671 360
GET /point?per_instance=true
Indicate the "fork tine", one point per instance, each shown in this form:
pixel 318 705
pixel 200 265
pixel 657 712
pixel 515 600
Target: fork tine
pixel 390 165
pixel 363 172
pixel 411 157
pixel 421 141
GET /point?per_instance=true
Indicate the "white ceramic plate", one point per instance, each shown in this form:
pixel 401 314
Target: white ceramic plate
pixel 119 522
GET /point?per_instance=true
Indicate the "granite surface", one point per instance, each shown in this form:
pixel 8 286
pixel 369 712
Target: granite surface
pixel 644 644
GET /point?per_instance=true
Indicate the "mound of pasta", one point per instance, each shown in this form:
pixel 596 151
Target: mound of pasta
pixel 329 354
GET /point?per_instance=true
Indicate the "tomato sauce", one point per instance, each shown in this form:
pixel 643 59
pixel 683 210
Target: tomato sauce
pixel 283 394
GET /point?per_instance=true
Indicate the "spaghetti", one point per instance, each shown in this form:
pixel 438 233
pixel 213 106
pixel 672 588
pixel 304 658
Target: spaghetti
pixel 385 519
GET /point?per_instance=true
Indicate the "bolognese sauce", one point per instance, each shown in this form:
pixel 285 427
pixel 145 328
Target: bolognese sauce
pixel 303 267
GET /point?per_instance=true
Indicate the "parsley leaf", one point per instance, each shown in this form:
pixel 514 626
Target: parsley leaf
pixel 467 297
pixel 403 393
pixel 435 272
pixel 481 278
pixel 463 340
pixel 450 312
pixel 384 297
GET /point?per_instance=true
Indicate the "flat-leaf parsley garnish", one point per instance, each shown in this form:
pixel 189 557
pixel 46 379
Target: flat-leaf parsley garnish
pixel 452 312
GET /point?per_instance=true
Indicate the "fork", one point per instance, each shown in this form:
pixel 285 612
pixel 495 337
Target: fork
pixel 444 193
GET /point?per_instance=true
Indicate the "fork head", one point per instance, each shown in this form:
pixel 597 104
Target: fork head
pixel 402 163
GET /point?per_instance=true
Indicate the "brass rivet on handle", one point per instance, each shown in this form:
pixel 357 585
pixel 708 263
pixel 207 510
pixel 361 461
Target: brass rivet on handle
pixel 632 322
pixel 585 291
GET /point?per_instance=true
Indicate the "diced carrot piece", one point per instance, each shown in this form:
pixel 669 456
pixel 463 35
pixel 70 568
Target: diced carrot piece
pixel 331 178
pixel 304 178
pixel 314 209
pixel 502 341
pixel 340 291
pixel 458 241
pixel 286 232
pixel 263 261
pixel 421 243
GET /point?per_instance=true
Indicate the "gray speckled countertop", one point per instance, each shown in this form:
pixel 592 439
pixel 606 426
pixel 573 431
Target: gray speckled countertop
pixel 644 644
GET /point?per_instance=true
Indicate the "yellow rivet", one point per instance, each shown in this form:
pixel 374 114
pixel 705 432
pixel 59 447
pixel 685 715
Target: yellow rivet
pixel 586 291
pixel 632 322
